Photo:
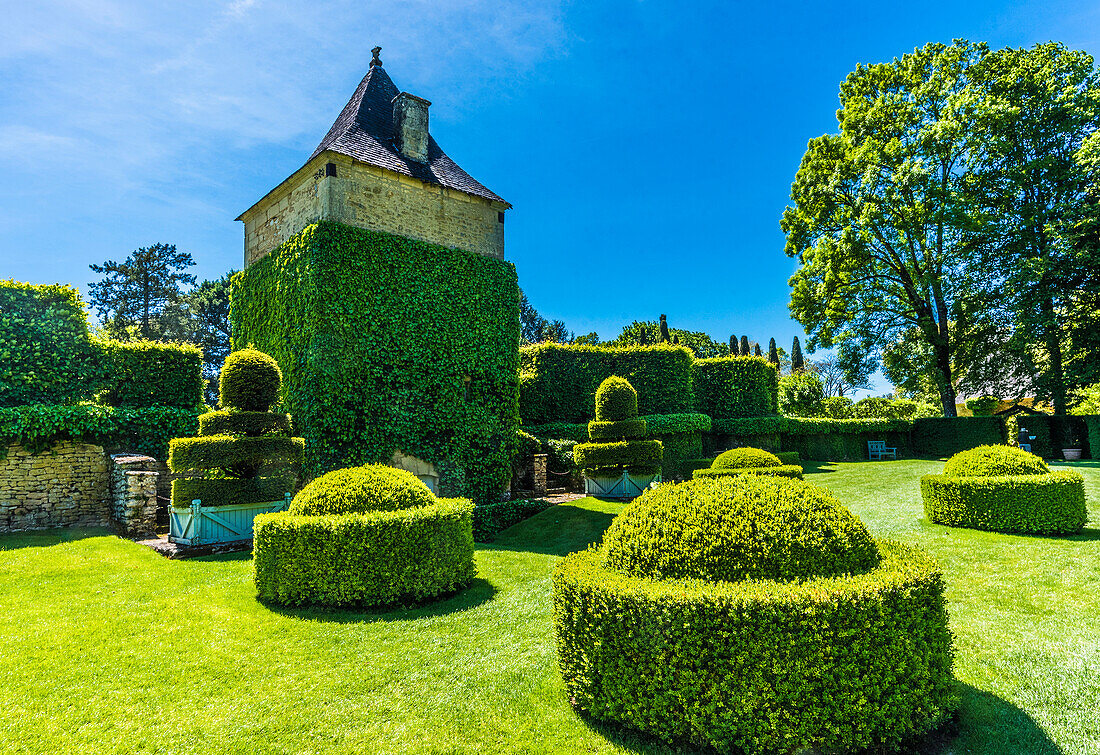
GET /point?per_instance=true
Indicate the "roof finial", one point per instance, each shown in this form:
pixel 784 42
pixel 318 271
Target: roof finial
pixel 376 61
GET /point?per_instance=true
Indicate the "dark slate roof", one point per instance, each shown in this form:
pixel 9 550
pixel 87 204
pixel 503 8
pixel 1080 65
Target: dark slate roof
pixel 364 132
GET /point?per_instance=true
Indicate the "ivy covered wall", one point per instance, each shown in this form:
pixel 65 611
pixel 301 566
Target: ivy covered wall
pixel 387 344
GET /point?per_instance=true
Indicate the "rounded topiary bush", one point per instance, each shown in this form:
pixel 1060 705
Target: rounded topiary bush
pixel 364 536
pixel 754 615
pixel 762 528
pixel 749 461
pixel 994 461
pixel 249 381
pixel 358 490
pixel 616 400
pixel 1005 489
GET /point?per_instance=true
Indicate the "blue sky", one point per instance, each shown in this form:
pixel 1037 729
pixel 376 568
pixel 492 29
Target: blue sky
pixel 648 147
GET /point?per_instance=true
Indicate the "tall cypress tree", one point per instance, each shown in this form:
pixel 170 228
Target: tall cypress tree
pixel 733 345
pixel 757 351
pixel 664 329
pixel 796 356
pixel 744 346
pixel 773 353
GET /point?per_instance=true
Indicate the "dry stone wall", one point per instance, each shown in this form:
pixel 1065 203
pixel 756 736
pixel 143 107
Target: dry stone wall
pixel 63 487
pixel 134 493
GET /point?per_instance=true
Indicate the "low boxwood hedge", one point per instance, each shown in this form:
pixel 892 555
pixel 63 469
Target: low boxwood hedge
pixel 790 471
pixel 374 558
pixel 1051 503
pixel 789 457
pixel 492 518
pixel 838 663
pixel 640 456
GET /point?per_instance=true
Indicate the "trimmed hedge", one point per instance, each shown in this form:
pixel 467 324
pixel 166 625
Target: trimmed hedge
pixel 813 437
pixel 229 491
pixel 735 386
pixel 226 451
pixel 640 457
pixel 946 436
pixel 491 519
pixel 753 529
pixel 616 400
pixel 1053 433
pixel 243 423
pixel 558 381
pixel 790 471
pixel 358 490
pixel 617 430
pixel 838 663
pixel 47 355
pixel 143 430
pixel 1052 503
pixel 788 457
pixel 149 373
pixel 369 559
pixel 994 461
pixel 1092 424
pixel 389 343
pixel 249 381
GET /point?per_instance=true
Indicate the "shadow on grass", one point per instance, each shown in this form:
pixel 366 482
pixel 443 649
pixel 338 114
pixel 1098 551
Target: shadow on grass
pixel 47 538
pixel 985 724
pixel 814 467
pixel 559 530
pixel 479 591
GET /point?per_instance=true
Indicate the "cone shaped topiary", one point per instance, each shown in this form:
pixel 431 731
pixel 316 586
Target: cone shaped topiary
pixel 243 454
pixel 754 615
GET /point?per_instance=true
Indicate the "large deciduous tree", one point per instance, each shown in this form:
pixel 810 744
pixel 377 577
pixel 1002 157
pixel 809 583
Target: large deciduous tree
pixel 136 292
pixel 880 222
pixel 534 328
pixel 1035 109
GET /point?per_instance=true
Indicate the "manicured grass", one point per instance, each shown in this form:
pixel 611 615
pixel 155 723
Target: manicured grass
pixel 107 647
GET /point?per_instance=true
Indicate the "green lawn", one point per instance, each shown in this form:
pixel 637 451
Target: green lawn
pixel 108 647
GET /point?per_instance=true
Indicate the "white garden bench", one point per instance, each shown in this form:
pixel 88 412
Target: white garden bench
pixel 876 449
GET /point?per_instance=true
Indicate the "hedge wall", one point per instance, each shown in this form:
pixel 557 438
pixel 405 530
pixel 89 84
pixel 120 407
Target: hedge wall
pixel 148 373
pixel 1053 433
pixel 946 436
pixel 1093 425
pixel 143 430
pixel 388 343
pixel 558 381
pixel 735 387
pixel 47 355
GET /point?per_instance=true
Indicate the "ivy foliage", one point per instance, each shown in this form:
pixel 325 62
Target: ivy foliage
pixel 143 430
pixel 47 355
pixel 386 344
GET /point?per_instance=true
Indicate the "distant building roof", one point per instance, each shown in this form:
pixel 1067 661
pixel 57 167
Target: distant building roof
pixel 364 132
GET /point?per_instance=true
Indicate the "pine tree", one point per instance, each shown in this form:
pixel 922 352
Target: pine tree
pixel 137 291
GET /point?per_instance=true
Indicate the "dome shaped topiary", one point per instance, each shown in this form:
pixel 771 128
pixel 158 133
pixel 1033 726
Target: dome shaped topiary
pixel 721 529
pixel 616 400
pixel 357 490
pixel 994 461
pixel 249 381
pixel 740 458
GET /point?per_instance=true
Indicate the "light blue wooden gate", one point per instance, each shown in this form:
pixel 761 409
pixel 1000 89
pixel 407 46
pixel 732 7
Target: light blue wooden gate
pixel 626 487
pixel 209 525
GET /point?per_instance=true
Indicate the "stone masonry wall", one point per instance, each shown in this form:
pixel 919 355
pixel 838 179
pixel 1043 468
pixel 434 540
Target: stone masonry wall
pixel 64 487
pixel 133 489
pixel 369 197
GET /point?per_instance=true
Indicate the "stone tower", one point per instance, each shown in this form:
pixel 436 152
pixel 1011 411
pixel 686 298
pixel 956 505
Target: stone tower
pixel 379 167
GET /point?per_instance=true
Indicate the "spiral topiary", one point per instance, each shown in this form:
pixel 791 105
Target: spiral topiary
pixel 616 400
pixel 249 381
pixel 754 615
pixel 762 528
pixel 1005 489
pixel 357 490
pixel 744 461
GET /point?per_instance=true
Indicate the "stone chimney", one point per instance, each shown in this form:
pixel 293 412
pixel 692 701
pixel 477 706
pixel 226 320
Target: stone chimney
pixel 410 126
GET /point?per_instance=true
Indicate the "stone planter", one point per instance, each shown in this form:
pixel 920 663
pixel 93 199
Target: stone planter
pixel 1071 454
pixel 210 525
pixel 625 487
